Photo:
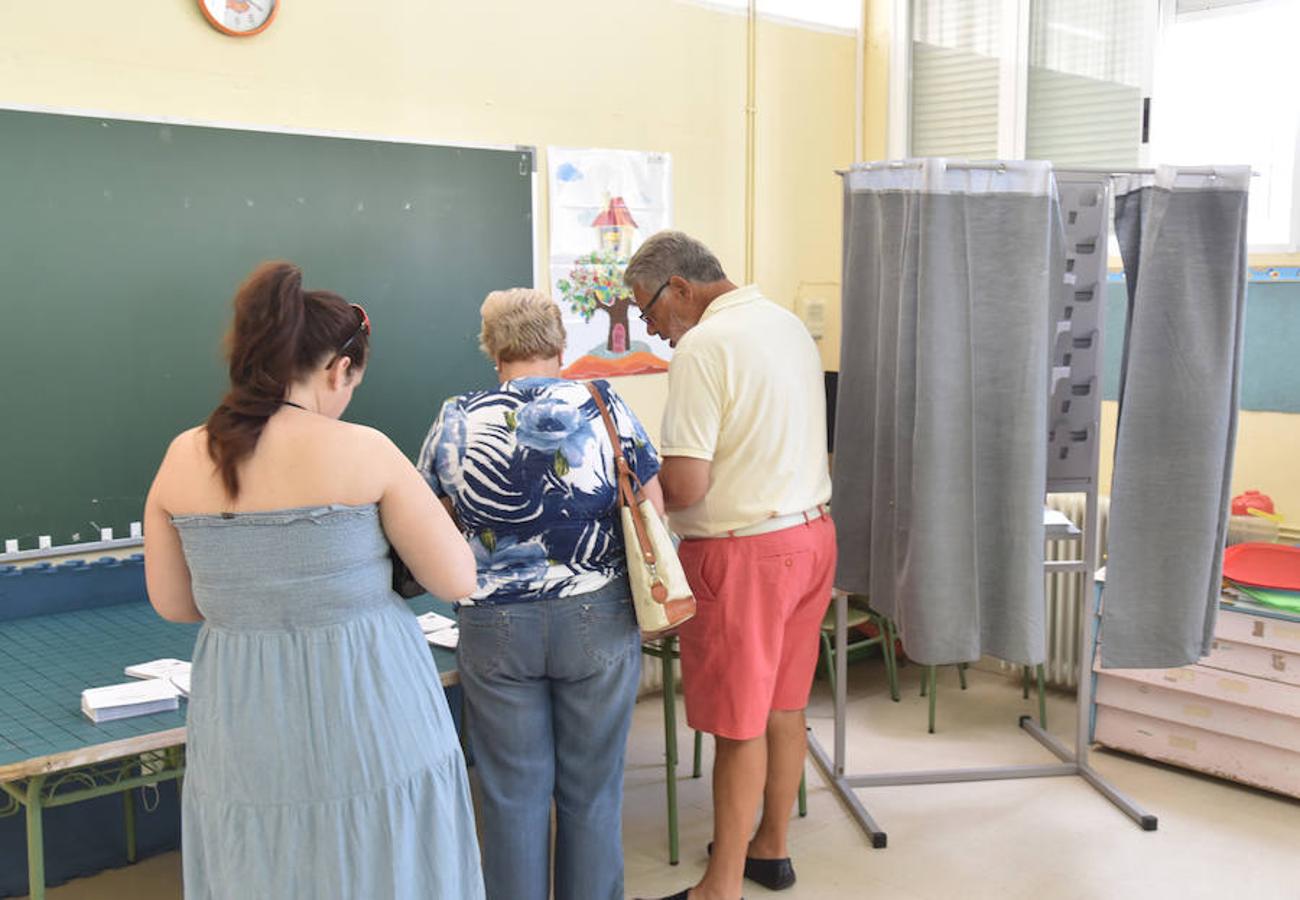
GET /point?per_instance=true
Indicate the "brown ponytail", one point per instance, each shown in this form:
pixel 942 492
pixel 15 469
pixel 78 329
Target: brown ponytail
pixel 279 334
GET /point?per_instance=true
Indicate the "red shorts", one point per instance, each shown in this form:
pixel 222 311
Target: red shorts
pixel 752 645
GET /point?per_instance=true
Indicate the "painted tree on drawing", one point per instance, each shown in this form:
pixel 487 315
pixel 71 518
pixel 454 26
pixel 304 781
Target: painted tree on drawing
pixel 596 284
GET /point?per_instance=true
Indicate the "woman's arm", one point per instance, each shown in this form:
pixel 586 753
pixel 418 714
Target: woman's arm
pixel 654 492
pixel 166 574
pixel 420 529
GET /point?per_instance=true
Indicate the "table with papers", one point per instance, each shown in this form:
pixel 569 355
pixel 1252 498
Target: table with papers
pixel 53 755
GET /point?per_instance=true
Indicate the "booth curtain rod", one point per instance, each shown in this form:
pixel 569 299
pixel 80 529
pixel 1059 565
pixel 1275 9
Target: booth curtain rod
pixel 1002 167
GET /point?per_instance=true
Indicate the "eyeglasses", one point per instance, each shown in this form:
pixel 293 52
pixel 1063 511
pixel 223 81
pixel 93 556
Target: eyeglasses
pixel 654 299
pixel 363 328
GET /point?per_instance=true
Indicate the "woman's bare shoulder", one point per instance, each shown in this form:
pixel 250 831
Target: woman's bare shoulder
pixel 184 462
pixel 190 444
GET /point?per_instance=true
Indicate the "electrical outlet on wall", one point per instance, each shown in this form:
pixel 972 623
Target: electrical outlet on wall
pixel 812 310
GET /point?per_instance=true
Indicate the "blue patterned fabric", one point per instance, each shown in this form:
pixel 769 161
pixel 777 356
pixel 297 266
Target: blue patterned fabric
pixel 530 472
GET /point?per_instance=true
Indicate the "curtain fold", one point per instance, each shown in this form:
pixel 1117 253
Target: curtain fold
pixel 1182 236
pixel 941 420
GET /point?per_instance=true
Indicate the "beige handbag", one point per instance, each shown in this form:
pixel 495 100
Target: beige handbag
pixel 660 593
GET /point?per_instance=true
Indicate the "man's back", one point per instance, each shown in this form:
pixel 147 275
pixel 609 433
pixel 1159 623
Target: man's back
pixel 746 392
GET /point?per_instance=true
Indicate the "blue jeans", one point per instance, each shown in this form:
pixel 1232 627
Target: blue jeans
pixel 549 688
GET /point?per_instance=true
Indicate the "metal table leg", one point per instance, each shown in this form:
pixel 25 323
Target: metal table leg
pixel 35 838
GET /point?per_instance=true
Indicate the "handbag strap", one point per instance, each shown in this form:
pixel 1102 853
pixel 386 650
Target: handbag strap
pixel 627 495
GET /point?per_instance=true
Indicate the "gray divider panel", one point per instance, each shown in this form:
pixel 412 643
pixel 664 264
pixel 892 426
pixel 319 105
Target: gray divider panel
pixel 1077 309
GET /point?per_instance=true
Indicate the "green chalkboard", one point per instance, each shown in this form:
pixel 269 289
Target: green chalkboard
pixel 121 244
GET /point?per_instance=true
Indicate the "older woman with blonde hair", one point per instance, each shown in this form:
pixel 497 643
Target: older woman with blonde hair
pixel 549 654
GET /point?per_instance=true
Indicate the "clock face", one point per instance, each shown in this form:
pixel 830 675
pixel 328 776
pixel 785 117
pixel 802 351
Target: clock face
pixel 239 17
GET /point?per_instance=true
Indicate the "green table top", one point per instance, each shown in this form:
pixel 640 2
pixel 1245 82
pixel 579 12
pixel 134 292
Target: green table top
pixel 47 661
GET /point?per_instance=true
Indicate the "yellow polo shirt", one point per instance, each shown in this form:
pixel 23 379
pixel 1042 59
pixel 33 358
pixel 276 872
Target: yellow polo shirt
pixel 746 392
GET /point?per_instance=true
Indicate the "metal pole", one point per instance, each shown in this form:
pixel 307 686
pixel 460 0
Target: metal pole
pixel 879 840
pixel 751 136
pixel 841 678
pixel 670 744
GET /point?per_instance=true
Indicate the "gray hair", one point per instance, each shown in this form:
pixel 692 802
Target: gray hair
pixel 669 253
pixel 519 324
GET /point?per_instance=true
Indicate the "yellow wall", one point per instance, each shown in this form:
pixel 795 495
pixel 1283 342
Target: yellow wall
pixel 805 133
pixel 878 29
pixel 639 74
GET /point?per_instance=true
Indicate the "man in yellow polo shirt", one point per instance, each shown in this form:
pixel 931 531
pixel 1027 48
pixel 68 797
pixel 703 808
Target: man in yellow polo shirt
pixel 746 485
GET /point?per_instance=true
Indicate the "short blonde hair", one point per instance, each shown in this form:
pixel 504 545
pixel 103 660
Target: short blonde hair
pixel 519 324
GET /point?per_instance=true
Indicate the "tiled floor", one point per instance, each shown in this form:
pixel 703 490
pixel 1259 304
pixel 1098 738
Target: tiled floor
pixel 1034 838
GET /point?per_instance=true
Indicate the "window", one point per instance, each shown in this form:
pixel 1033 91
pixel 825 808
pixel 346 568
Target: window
pixel 1046 79
pixel 1071 80
pixel 1089 64
pixel 1226 91
pixel 957 49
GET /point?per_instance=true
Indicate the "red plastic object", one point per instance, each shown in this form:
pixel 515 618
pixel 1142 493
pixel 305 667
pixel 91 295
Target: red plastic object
pixel 1274 566
pixel 1251 500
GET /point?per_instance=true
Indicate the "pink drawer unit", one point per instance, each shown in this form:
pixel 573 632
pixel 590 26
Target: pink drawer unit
pixel 1222 755
pixel 1191 698
pixel 1251 659
pixel 1229 687
pixel 1259 631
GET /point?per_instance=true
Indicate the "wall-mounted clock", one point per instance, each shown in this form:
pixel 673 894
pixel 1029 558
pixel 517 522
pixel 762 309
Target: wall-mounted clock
pixel 239 18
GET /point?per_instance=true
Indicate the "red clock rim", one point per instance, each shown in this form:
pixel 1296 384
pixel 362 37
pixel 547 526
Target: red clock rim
pixel 275 10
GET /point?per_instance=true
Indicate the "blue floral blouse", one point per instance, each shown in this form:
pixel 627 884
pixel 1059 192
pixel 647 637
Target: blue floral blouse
pixel 530 472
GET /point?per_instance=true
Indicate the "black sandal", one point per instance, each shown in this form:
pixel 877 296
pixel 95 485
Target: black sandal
pixel 773 874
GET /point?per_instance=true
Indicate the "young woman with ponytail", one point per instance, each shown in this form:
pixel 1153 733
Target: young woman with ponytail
pixel 321 758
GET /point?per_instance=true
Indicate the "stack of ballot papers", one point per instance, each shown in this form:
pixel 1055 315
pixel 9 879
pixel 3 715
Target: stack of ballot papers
pixel 158 668
pixel 134 698
pixel 177 671
pixel 440 631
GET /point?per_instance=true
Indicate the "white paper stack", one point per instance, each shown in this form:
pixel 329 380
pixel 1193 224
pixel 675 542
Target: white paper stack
pixel 448 637
pixel 432 621
pixel 134 698
pixel 439 630
pixel 158 668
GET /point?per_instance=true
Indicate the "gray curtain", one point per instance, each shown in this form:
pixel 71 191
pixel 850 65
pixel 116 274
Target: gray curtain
pixel 1183 239
pixel 941 419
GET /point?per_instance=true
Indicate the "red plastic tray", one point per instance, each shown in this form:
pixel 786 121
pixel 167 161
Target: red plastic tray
pixel 1263 565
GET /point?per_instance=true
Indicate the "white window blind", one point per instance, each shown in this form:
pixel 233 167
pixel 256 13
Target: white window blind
pixel 1088 62
pixel 1191 6
pixel 957 50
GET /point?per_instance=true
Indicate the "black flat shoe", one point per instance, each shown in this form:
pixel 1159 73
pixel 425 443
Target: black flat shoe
pixel 773 874
pixel 682 895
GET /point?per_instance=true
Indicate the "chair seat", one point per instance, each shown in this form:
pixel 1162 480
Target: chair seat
pixel 856 618
pixel 859 614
